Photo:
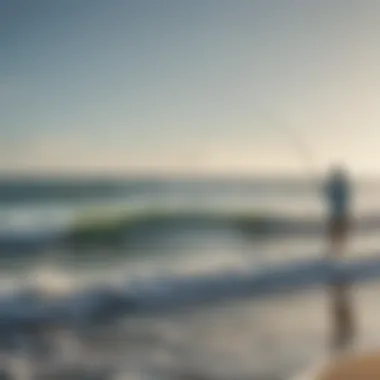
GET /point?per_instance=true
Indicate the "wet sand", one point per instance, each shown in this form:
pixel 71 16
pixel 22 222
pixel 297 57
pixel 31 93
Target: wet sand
pixel 365 366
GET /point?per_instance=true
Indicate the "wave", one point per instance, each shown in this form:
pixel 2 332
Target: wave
pixel 107 228
pixel 102 304
pixel 115 228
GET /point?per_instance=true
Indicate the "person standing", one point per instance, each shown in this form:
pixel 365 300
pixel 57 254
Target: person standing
pixel 338 193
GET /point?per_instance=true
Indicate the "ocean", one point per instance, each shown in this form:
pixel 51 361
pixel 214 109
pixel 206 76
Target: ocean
pixel 257 336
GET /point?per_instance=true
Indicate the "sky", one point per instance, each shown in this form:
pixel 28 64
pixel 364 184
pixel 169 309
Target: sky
pixel 189 86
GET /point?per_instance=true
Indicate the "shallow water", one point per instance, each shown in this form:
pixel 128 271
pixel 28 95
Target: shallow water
pixel 265 339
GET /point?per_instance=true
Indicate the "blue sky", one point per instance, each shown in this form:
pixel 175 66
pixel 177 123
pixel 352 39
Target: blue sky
pixel 207 86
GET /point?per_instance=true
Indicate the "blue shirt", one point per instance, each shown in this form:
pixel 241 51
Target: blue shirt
pixel 338 194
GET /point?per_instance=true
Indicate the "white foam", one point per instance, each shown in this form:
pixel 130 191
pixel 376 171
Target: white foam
pixel 50 282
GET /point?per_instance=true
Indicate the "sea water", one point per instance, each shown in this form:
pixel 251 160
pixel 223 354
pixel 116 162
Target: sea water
pixel 262 338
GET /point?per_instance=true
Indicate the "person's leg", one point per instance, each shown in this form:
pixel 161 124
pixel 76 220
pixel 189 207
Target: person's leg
pixel 343 321
pixel 338 236
pixel 342 315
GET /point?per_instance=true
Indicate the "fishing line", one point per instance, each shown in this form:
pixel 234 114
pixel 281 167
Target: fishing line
pixel 299 145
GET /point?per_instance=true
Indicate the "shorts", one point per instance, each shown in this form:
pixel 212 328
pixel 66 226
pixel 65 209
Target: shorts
pixel 339 227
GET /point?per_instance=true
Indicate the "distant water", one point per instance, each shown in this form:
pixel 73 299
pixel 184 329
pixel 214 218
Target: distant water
pixel 30 206
pixel 244 338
